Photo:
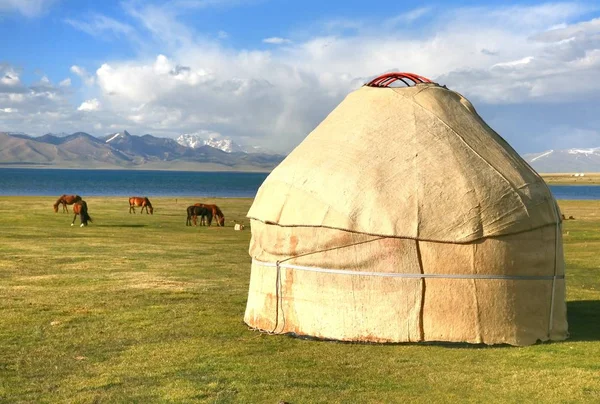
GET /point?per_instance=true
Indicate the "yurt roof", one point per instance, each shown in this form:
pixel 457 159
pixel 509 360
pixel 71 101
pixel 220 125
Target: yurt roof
pixel 413 162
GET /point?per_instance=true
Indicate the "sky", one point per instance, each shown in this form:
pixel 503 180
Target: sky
pixel 266 72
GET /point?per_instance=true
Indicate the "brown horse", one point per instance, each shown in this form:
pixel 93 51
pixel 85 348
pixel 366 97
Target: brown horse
pixel 194 211
pixel 80 208
pixel 216 212
pixel 65 200
pixel 142 201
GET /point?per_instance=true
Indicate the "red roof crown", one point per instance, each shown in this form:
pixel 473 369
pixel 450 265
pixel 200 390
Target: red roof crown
pixel 388 78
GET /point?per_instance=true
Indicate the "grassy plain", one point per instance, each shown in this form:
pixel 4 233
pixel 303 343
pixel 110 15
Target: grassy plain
pixel 138 308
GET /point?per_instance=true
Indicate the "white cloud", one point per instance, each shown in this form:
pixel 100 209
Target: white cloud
pixel 65 83
pixel 89 105
pixel 28 8
pixel 563 32
pixel 83 74
pixel 514 63
pixel 283 93
pixel 276 40
pixel 100 25
pixel 409 16
pixel 496 56
pixel 10 78
pixel 80 71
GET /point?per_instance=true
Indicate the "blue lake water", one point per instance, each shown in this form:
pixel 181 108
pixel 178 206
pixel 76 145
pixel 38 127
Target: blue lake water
pixel 52 182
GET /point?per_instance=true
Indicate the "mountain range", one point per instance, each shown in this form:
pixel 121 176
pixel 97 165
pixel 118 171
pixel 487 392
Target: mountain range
pixel 565 161
pixel 123 150
pixel 195 152
pixel 195 140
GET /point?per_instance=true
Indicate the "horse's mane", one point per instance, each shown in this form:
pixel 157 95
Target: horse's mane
pixel 218 211
pixel 147 201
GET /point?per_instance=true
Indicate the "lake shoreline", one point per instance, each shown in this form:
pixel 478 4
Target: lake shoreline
pixel 192 184
pixel 571 179
pixel 549 178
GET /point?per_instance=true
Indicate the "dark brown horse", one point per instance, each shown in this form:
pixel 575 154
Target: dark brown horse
pixel 194 211
pixel 142 201
pixel 80 208
pixel 65 200
pixel 216 212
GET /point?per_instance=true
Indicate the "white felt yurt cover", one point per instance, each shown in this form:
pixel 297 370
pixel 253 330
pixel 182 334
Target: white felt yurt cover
pixel 404 217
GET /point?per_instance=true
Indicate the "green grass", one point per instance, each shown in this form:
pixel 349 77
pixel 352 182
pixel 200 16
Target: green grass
pixel 140 308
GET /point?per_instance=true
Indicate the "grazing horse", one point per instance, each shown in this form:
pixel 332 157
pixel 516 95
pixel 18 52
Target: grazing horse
pixel 80 208
pixel 216 212
pixel 194 211
pixel 65 200
pixel 142 201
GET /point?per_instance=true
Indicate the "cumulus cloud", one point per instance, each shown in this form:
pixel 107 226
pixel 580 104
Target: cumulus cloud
pixel 33 108
pixel 564 32
pixel 83 75
pixel 500 57
pixel 280 95
pixel 89 105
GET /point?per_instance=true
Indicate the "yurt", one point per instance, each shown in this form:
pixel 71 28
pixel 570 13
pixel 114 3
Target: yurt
pixel 403 217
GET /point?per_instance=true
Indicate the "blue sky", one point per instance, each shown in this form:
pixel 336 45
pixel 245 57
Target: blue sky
pixel 267 72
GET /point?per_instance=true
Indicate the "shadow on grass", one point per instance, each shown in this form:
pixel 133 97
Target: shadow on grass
pixel 584 320
pixel 122 225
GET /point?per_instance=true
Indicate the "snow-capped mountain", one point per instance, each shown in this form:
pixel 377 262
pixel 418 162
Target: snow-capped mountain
pixel 195 141
pixel 122 149
pixel 119 136
pixel 565 161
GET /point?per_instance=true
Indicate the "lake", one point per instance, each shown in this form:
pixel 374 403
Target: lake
pixel 54 182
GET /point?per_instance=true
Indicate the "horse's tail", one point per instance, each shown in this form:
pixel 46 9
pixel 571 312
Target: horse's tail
pixel 85 216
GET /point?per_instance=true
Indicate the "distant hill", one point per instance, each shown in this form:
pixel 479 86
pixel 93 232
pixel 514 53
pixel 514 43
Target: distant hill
pixel 565 161
pixel 123 150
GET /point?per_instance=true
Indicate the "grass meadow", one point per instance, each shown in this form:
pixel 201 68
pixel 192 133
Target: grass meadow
pixel 140 308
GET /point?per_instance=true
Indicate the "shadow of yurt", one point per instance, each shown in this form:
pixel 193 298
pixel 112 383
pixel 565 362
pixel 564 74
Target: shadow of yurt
pixel 403 217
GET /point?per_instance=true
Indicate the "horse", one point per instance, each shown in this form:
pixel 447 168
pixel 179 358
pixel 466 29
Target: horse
pixel 194 211
pixel 142 201
pixel 80 208
pixel 66 200
pixel 216 212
